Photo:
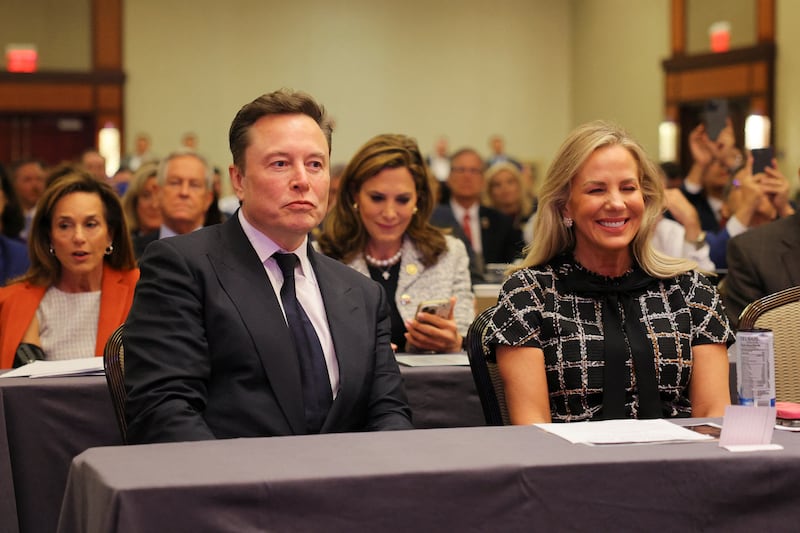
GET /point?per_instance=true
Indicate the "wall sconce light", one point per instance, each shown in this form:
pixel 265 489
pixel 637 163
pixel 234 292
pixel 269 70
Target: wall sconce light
pixel 109 147
pixel 667 141
pixel 756 132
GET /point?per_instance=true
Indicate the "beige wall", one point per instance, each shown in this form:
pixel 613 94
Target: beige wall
pixel 530 69
pixel 616 64
pixel 59 29
pixel 787 125
pixel 424 68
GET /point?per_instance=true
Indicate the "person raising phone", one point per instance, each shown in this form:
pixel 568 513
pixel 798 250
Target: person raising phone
pixel 379 226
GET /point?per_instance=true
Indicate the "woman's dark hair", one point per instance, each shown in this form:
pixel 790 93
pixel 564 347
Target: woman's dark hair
pixel 344 236
pixel 45 268
pixel 12 220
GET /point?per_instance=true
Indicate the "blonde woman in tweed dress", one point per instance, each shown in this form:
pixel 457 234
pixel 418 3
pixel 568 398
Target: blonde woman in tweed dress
pixel 596 324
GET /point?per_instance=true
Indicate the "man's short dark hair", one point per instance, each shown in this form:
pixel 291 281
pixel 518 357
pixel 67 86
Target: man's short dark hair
pixel 281 102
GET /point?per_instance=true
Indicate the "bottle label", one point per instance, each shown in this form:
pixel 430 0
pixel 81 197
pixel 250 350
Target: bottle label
pixel 755 367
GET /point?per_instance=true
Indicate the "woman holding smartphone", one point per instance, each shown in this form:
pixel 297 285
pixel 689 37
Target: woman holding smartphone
pixel 379 226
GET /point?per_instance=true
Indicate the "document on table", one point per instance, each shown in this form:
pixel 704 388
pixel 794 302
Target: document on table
pixel 86 366
pixel 627 431
pixel 438 359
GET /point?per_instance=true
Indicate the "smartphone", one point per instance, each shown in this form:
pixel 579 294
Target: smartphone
pixel 715 117
pixel 440 308
pixel 712 430
pixel 762 158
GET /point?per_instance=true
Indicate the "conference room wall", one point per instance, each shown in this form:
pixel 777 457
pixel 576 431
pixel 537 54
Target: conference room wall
pixel 425 68
pixel 616 66
pixel 787 87
pixel 531 70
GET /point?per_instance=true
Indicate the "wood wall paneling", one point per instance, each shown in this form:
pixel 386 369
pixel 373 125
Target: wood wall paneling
pixel 27 97
pixel 745 76
pixel 33 106
pixel 107 34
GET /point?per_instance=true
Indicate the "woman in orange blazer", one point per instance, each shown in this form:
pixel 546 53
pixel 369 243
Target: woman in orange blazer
pixel 80 285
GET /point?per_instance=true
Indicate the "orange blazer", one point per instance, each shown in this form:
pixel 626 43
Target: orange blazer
pixel 19 301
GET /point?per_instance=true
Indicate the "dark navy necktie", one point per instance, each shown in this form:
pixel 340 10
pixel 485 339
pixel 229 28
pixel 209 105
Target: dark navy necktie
pixel 317 396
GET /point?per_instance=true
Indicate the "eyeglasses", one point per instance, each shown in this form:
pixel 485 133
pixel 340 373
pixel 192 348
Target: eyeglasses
pixel 467 170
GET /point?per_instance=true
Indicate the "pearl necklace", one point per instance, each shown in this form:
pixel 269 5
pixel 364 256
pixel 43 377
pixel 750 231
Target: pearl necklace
pixel 384 264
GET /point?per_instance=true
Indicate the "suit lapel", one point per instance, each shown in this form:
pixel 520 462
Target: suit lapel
pixel 791 253
pixel 491 243
pixel 115 297
pixel 345 317
pixel 242 275
pixel 411 268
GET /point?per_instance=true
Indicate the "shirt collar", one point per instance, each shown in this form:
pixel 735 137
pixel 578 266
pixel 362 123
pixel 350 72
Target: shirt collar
pixel 459 211
pixel 165 231
pixel 266 247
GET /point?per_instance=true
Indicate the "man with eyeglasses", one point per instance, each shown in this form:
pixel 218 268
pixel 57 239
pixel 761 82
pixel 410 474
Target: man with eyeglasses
pixel 184 195
pixel 488 234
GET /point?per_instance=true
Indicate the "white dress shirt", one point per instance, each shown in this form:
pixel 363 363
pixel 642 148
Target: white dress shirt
pixel 306 288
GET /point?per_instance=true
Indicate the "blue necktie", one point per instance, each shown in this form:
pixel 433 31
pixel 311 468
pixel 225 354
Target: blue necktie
pixel 317 396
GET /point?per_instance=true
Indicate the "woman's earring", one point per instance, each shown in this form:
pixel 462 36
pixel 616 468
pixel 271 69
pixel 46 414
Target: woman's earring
pixel 568 222
pixel 414 212
pixel 355 206
pixel 52 252
pixel 110 249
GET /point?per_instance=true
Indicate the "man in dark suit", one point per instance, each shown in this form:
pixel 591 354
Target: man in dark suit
pixel 488 234
pixel 208 352
pixel 762 261
pixel 185 192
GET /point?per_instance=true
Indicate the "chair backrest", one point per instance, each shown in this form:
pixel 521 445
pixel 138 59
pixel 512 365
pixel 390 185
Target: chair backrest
pixel 114 364
pixel 780 312
pixel 485 372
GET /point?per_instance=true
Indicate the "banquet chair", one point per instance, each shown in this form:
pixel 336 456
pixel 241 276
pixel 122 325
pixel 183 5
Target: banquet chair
pixel 780 312
pixel 114 364
pixel 485 372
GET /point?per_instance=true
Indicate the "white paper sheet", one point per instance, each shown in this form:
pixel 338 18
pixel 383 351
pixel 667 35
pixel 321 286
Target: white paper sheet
pixel 87 366
pixel 627 431
pixel 439 359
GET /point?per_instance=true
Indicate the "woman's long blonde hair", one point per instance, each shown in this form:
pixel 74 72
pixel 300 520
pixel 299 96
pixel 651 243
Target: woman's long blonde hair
pixel 552 237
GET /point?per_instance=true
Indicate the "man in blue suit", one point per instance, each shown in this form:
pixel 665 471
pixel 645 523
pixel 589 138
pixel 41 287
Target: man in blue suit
pixel 208 352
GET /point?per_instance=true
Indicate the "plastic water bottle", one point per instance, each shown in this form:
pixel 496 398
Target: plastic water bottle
pixel 755 367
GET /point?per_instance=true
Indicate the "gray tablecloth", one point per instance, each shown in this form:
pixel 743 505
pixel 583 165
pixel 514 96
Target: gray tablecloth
pixel 468 479
pixel 44 423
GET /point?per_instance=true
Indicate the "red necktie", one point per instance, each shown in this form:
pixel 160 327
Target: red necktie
pixel 467 228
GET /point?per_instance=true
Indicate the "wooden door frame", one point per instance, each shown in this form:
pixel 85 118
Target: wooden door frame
pixel 99 92
pixel 747 73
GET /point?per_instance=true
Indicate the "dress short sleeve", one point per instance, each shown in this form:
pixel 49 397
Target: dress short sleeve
pixel 517 318
pixel 710 323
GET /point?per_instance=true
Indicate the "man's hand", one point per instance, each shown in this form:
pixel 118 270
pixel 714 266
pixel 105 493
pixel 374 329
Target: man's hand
pixel 683 212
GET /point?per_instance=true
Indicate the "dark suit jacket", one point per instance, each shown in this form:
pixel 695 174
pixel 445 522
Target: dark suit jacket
pixel 708 221
pixel 13 259
pixel 208 353
pixel 762 261
pixel 140 242
pixel 502 243
pixel 717 236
